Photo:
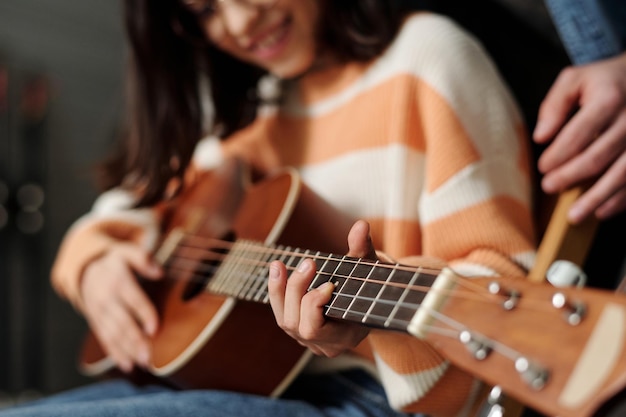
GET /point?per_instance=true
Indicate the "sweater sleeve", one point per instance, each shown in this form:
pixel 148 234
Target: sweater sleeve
pixel 110 222
pixel 475 206
pixel 113 219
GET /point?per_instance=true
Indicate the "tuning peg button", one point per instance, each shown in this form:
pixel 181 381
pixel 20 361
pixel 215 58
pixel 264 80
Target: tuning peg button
pixel 512 296
pixel 566 274
pixel 535 375
pixel 574 310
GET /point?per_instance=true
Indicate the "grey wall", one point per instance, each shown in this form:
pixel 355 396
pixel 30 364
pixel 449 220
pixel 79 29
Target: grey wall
pixel 78 44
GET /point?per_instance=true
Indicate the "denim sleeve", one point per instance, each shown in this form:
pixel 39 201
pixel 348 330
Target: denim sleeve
pixel 590 29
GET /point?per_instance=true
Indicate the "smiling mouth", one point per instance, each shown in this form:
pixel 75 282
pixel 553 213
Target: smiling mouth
pixel 272 44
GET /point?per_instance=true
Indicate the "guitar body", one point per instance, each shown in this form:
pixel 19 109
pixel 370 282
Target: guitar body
pixel 217 342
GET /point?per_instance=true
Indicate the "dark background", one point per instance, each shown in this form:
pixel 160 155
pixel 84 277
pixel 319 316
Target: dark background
pixel 61 65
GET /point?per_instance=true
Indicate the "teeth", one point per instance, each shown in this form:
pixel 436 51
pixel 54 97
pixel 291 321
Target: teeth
pixel 271 39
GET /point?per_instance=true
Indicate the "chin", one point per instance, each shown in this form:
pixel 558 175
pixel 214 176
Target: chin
pixel 292 69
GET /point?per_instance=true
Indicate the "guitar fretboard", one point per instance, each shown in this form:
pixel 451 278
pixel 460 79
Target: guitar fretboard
pixel 368 292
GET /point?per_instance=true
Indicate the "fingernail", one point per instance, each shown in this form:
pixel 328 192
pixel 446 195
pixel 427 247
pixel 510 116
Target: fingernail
pixel 304 266
pixel 126 366
pixel 548 185
pixel 327 287
pixel 575 214
pixel 540 129
pixel 274 273
pixel 144 357
pixel 156 268
pixel 150 329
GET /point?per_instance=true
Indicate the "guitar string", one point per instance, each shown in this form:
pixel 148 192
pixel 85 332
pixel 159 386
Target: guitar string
pixel 200 244
pixel 479 292
pixel 206 270
pixel 452 331
pixel 219 250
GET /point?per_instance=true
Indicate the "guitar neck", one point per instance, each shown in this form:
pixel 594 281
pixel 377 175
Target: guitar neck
pixel 366 292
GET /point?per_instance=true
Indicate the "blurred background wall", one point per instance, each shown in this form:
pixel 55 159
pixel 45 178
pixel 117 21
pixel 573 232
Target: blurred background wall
pixel 60 97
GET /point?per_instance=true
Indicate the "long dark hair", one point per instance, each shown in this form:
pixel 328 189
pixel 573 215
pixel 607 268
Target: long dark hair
pixel 167 58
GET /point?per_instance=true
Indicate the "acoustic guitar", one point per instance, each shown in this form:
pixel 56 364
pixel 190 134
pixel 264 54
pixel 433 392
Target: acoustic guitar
pixel 561 351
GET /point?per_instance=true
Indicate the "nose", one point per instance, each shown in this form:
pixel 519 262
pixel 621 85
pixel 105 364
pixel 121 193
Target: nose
pixel 238 16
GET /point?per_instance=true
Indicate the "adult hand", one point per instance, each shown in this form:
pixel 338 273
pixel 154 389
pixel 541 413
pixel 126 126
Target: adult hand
pixel 591 145
pixel 300 313
pixel 117 309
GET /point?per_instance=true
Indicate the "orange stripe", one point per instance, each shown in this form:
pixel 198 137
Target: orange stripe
pixel 320 85
pixel 501 224
pixel 397 238
pixel 413 114
pixel 422 355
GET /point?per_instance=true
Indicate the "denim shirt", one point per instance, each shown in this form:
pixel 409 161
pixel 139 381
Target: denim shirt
pixel 590 29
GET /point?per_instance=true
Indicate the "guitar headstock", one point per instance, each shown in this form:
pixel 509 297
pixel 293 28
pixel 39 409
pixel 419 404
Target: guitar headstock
pixel 561 351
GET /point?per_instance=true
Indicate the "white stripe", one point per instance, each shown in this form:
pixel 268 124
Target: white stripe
pixel 142 218
pixel 208 153
pixel 113 200
pixel 470 269
pixel 408 388
pixel 475 184
pixel 118 205
pixel 382 182
pixel 435 50
pixel 432 48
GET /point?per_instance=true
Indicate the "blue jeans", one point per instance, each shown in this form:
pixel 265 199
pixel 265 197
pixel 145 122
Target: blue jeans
pixel 345 394
pixel 590 29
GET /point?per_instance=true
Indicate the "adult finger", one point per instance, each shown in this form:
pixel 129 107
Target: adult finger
pixel 590 163
pixel 614 205
pixel 607 192
pixel 582 130
pixel 560 101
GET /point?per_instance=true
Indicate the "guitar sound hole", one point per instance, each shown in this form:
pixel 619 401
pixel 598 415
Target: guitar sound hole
pixel 205 270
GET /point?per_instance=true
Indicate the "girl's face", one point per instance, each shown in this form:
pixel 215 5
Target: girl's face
pixel 277 35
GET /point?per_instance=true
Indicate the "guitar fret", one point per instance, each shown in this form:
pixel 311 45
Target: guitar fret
pixel 260 293
pixel 292 255
pixel 339 281
pixel 353 311
pixel 259 283
pixel 320 275
pixel 403 288
pixel 373 312
pixel 375 294
pixel 405 294
pixel 291 264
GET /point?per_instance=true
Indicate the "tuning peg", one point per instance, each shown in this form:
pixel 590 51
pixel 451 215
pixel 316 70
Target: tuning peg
pixel 566 274
pixel 479 347
pixel 574 310
pixel 535 375
pixel 495 399
pixel 512 296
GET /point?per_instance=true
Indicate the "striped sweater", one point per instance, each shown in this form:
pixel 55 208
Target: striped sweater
pixel 425 142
